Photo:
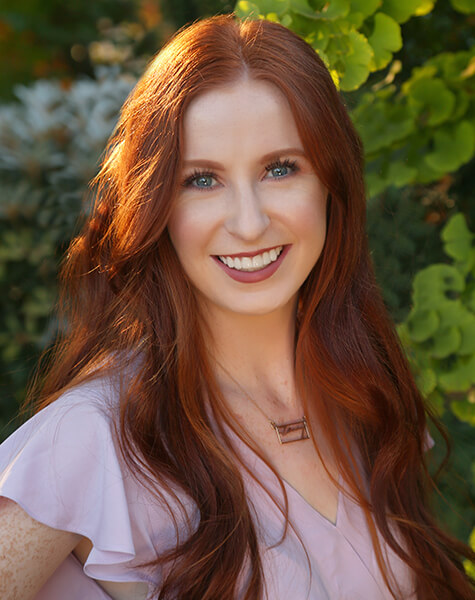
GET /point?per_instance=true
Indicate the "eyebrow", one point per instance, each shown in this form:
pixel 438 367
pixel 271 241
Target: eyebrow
pixel 202 162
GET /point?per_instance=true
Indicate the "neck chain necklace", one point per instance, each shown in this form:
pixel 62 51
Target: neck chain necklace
pixel 293 431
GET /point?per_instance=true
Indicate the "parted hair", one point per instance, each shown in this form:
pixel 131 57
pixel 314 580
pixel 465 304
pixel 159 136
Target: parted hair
pixel 128 307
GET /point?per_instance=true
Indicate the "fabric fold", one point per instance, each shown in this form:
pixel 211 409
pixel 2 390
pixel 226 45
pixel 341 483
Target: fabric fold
pixel 63 469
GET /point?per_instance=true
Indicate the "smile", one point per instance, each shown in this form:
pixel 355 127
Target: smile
pixel 252 263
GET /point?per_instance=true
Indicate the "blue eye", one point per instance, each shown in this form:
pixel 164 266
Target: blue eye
pixel 206 180
pixel 281 168
pixel 200 179
pixel 203 181
pixel 279 171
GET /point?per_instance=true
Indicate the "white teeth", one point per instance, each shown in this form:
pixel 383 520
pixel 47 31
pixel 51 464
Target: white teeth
pixel 246 263
pixel 227 260
pixel 258 262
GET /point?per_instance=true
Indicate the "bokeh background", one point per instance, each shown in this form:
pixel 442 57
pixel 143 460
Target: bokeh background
pixel 407 71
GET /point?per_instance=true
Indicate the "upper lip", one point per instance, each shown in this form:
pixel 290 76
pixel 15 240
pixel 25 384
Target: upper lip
pixel 253 253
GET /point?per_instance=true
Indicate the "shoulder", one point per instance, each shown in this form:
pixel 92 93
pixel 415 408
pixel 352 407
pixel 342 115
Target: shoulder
pixel 79 415
pixel 59 462
pixel 65 465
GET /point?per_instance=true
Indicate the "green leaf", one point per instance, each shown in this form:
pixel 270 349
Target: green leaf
pixel 470 301
pixel 465 140
pixel 286 21
pixel 452 147
pixel 446 342
pixel 433 99
pixel 302 7
pixel 375 184
pixel 247 9
pixel 385 40
pixel 365 7
pixel 421 324
pixel 469 70
pixel 461 377
pixel 335 9
pixel 458 239
pixel 464 410
pixel 461 105
pixel 467 345
pixel 400 174
pixel 436 401
pixel 356 63
pixel 402 10
pixel 453 313
pixel 464 6
pixel 426 71
pixel 432 283
pixel 427 174
pixel 278 7
pixel 426 381
pixel 382 125
pixel 424 7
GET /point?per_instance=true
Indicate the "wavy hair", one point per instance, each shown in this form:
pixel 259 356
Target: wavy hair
pixel 129 307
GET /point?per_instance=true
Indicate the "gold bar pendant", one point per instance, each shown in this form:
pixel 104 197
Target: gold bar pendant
pixel 292 432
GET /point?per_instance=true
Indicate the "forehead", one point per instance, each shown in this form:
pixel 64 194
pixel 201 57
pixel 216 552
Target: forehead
pixel 249 116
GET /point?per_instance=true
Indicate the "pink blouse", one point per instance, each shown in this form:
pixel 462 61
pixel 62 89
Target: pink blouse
pixel 63 468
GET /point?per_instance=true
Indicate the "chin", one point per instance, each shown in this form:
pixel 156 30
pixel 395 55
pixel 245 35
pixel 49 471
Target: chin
pixel 257 308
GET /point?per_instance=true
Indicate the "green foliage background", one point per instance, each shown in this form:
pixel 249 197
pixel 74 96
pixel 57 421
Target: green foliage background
pixel 407 71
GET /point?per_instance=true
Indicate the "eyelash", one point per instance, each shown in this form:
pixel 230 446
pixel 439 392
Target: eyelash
pixel 290 164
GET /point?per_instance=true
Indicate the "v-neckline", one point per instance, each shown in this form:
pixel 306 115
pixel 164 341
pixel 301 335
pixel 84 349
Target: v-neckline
pixel 312 509
pixel 258 462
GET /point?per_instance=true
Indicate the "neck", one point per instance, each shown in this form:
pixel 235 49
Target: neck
pixel 255 353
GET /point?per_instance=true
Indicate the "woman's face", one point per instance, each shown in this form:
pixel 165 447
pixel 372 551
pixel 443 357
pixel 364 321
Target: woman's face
pixel 248 223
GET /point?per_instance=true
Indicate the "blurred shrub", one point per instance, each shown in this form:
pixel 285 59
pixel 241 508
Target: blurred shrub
pixel 440 329
pixel 403 240
pixel 50 142
pixel 51 38
pixel 431 118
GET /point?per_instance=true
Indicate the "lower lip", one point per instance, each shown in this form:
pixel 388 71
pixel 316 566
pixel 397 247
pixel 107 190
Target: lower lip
pixel 254 276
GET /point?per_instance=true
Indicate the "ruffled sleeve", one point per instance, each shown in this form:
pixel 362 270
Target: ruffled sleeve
pixel 63 469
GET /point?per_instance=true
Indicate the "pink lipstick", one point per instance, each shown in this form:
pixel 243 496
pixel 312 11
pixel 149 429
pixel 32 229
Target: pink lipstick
pixel 253 276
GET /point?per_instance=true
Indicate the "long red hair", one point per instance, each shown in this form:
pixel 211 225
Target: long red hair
pixel 129 308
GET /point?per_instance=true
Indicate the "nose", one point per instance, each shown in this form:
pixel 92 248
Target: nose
pixel 246 217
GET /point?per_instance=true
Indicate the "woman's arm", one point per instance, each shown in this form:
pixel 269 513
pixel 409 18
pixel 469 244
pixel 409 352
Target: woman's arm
pixel 30 552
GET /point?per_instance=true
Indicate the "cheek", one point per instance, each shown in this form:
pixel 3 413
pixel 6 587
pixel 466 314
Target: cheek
pixel 309 217
pixel 191 228
pixel 181 233
pixel 184 229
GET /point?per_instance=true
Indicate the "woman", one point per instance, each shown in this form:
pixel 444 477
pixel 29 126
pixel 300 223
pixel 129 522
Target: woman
pixel 229 414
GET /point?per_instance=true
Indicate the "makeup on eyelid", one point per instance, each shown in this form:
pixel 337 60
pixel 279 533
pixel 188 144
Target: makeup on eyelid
pixel 276 164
